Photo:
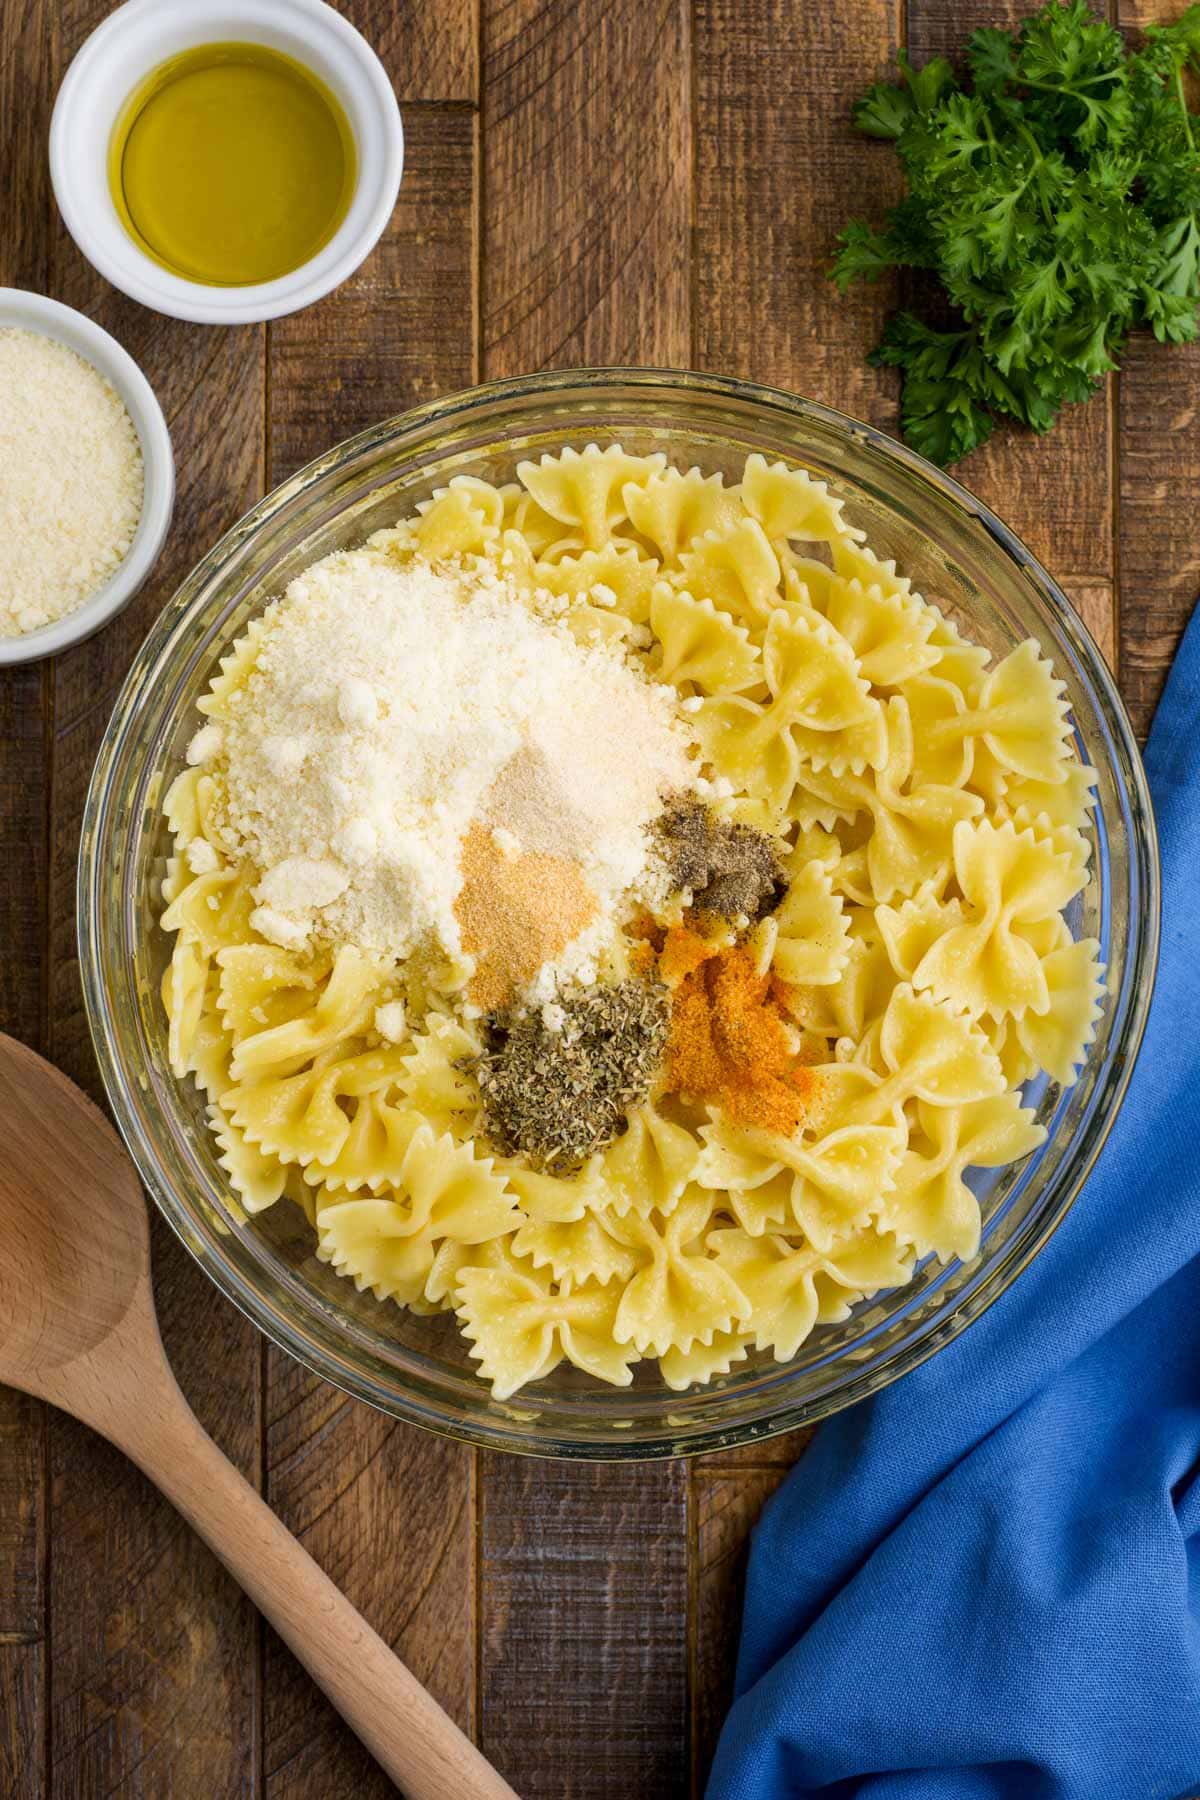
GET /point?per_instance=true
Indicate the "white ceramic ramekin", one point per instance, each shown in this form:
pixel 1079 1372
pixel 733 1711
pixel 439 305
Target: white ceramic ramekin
pixel 33 312
pixel 141 35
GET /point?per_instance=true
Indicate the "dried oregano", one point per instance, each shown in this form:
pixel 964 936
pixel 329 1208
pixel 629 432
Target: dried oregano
pixel 557 1083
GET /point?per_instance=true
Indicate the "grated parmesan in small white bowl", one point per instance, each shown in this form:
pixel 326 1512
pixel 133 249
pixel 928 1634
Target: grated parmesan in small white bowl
pixel 90 481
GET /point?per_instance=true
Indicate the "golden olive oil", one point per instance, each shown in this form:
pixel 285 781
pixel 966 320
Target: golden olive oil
pixel 232 164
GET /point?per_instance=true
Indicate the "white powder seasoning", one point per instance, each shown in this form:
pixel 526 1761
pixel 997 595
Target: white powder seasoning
pixel 390 708
pixel 71 481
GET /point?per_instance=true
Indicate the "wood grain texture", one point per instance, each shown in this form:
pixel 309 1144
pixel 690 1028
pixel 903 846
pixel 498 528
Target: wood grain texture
pixel 778 171
pixel 388 1511
pixel 584 1623
pixel 585 169
pixel 1160 500
pixel 29 62
pixel 430 51
pixel 724 1510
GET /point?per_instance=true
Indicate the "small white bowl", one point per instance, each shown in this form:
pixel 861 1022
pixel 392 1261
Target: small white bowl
pixel 33 312
pixel 139 37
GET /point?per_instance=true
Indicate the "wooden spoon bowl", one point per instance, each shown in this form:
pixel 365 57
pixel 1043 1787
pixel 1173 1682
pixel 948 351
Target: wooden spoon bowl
pixel 78 1328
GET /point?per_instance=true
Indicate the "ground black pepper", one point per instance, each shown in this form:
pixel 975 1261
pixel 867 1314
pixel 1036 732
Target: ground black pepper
pixel 555 1097
pixel 729 868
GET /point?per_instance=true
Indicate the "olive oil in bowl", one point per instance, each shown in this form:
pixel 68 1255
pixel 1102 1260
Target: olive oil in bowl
pixel 232 164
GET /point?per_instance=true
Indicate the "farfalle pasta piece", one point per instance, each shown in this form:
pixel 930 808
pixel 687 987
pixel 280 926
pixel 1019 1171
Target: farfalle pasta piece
pixel 371 1243
pixel 702 1363
pixel 618 571
pixel 930 1206
pixel 820 712
pixel 450 1188
pixel 344 1009
pixel 451 1258
pixel 298 1117
pixel 1066 802
pixel 445 1191
pixel 811 930
pixel 462 519
pixel 214 909
pixel 548 538
pixel 434 1081
pixel 1064 839
pixel 1007 878
pixel 911 842
pixel 583 1249
pixel 1015 1061
pixel 888 632
pixel 260 986
pixel 257 1180
pixel 649 1165
pixel 736 568
pixel 932 1054
pixel 584 490
pixel 700 645
pixel 1057 1039
pixel 677 506
pixel 832 1184
pixel 792 1289
pixel 960 662
pixel 681 1295
pixel 372 1153
pixel 913 927
pixel 849 1007
pixel 188 808
pixel 520 1328
pixel 854 560
pixel 556 1199
pixel 790 504
pixel 234 669
pixel 1020 718
pixel 591 625
pixel 211 1049
pixel 921 1049
pixel 184 985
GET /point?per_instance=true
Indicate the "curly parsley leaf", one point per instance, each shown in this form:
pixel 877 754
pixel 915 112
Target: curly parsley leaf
pixel 1056 195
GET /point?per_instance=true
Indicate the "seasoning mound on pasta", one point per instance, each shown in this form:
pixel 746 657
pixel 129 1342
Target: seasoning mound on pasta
pixel 620 911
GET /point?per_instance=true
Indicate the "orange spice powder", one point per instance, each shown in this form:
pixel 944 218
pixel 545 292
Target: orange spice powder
pixel 729 1043
pixel 515 913
pixel 682 953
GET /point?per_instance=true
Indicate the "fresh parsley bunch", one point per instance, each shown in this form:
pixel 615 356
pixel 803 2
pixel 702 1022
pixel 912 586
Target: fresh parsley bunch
pixel 1056 197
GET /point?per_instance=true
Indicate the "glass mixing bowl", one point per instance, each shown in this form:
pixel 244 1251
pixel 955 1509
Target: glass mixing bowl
pixel 958 553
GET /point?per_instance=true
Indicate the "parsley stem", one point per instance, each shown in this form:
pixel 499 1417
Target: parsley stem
pixel 1067 87
pixel 1183 107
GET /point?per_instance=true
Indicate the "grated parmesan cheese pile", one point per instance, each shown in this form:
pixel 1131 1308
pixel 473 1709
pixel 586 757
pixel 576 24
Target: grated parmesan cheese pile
pixel 392 712
pixel 71 481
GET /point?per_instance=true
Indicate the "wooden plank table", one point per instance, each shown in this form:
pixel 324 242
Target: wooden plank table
pixel 588 181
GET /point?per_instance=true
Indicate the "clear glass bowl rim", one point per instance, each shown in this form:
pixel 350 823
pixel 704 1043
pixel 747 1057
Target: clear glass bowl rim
pixel 1132 1003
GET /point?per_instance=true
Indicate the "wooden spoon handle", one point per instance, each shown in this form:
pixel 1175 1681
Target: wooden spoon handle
pixel 404 1728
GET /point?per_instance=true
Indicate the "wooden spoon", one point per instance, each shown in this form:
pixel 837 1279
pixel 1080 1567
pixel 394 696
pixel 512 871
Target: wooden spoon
pixel 77 1328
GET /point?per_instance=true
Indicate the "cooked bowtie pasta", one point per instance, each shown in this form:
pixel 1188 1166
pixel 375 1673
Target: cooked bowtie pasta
pixel 911 970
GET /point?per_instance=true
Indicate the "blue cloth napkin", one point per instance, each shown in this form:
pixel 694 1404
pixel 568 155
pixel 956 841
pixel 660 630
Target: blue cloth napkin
pixel 986 1581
